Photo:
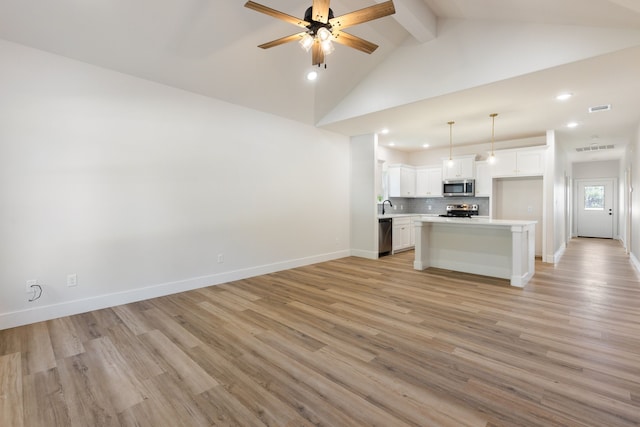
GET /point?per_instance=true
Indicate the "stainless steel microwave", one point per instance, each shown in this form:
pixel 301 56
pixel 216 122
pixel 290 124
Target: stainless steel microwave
pixel 459 187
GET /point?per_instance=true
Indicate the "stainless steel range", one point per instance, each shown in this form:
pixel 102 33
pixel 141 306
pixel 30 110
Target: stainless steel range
pixel 462 210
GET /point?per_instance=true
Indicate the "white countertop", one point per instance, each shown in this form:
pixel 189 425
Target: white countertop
pixel 404 215
pixel 475 221
pixel 434 215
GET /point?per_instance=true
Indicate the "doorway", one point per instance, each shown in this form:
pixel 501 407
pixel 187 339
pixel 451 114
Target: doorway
pixel 595 202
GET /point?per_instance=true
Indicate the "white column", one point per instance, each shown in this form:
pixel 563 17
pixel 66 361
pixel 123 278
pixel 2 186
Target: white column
pixel 517 255
pixel 523 254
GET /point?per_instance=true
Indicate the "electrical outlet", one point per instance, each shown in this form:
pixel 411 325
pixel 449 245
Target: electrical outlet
pixel 220 258
pixel 72 280
pixel 29 284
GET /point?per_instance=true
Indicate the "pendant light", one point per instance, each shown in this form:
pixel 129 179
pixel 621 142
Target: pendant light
pixel 450 162
pixel 492 157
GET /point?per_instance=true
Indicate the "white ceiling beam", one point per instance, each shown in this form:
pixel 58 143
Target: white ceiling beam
pixel 416 17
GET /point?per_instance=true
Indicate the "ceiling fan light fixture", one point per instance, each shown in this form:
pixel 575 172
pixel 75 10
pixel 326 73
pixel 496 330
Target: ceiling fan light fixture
pixel 327 47
pixel 323 34
pixel 306 41
pixel 318 24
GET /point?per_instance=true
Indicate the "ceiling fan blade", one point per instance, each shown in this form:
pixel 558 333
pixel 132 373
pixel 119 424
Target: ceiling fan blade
pixel 283 40
pixel 317 55
pixel 363 15
pixel 354 42
pixel 276 14
pixel 320 11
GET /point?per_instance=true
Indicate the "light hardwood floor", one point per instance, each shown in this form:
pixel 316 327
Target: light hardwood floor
pixel 351 342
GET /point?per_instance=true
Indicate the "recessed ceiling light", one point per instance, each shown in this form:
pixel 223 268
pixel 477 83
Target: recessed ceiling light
pixel 384 131
pixel 392 144
pixel 572 124
pixel 564 96
pixel 312 75
pixel 425 145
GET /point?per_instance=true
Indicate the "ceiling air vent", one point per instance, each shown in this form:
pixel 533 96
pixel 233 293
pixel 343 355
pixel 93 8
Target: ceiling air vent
pixel 599 108
pixel 595 147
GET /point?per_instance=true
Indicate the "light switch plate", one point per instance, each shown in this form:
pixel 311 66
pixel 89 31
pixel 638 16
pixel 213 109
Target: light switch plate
pixel 72 280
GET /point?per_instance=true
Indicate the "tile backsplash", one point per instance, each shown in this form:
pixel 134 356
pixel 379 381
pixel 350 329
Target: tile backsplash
pixel 438 205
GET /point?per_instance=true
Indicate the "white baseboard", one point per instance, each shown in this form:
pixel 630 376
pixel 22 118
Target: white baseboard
pixel 68 308
pixel 364 254
pixel 558 254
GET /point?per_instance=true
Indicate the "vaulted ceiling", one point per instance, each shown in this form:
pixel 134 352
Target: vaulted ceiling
pixel 438 60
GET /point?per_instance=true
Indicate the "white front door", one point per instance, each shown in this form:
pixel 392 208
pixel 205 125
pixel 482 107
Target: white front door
pixel 595 208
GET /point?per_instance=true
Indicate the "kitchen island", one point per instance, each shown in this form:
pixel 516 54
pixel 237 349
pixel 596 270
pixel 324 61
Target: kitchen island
pixel 489 247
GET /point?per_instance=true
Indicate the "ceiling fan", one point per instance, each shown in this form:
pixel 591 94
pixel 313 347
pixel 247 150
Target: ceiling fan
pixel 321 27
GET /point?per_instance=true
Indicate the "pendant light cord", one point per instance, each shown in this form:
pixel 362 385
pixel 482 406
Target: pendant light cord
pixel 450 139
pixel 493 126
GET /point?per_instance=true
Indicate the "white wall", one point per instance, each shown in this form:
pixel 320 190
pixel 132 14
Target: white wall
pixel 596 169
pixel 364 219
pixel 633 164
pixel 391 156
pixel 138 187
pixel 562 179
pixel 521 199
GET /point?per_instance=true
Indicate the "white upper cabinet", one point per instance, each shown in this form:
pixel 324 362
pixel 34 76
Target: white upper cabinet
pixel 519 162
pixel 484 182
pixel 531 162
pixel 463 167
pixel 429 182
pixel 402 181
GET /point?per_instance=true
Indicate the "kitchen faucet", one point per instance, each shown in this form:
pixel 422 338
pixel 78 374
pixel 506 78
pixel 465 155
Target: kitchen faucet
pixel 390 204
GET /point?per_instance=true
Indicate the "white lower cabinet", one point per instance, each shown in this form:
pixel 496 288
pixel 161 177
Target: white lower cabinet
pixel 412 227
pixel 404 235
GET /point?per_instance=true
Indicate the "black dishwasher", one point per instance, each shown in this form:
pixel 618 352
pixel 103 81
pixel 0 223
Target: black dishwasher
pixel 385 236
